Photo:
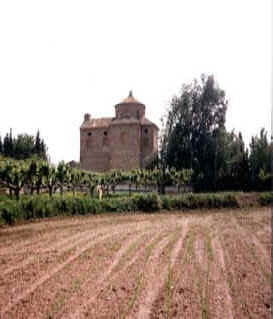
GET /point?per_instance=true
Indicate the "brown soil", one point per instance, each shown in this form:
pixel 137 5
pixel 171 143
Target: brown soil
pixel 207 265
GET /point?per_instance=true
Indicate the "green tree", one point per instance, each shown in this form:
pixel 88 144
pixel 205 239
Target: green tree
pixel 232 167
pixel 49 173
pixel 14 175
pixel 40 148
pixel 260 158
pixel 192 131
pixel 24 146
pixel 75 178
pixel 1 145
pixel 63 176
pixel 35 176
pixel 8 145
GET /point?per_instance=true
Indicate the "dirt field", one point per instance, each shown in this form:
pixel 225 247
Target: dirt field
pixel 199 265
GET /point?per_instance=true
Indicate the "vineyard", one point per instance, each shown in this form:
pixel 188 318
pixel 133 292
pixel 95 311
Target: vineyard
pixel 36 176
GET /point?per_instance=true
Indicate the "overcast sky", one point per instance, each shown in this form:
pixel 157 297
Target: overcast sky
pixel 61 59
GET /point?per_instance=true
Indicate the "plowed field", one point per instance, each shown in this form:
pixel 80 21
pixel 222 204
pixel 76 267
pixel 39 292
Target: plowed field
pixel 194 265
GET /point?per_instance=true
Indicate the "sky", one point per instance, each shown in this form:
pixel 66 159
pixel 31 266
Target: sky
pixel 61 59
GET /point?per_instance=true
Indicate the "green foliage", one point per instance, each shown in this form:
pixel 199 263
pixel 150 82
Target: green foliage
pixel 124 204
pixel 43 206
pixel 147 203
pixel 37 176
pixel 10 212
pixel 266 199
pixel 260 162
pixel 193 120
pixel 194 137
pixel 14 175
pixel 199 201
pixel 23 146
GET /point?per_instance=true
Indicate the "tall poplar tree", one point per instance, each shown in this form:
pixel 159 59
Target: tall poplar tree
pixel 194 125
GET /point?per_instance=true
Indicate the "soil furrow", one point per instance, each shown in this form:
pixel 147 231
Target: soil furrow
pixel 61 245
pixel 150 281
pixel 117 297
pixel 175 265
pixel 60 287
pixel 202 265
pixel 153 287
pixel 255 247
pixel 180 297
pixel 56 250
pixel 58 227
pixel 44 278
pixel 250 291
pixel 86 295
pixel 57 268
pixel 220 302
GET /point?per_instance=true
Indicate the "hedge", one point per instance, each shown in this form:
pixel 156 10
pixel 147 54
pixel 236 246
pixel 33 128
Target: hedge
pixel 33 207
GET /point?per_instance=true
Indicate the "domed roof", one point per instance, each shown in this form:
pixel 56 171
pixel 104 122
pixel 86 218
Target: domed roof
pixel 130 99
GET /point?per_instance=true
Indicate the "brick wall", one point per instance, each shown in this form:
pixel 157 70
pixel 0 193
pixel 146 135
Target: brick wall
pixel 95 149
pixel 125 146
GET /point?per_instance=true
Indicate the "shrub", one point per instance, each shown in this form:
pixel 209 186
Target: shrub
pixel 199 201
pixel 40 206
pixel 266 199
pixel 147 203
pixel 10 211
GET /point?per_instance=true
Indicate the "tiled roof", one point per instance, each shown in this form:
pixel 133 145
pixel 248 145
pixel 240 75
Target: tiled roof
pixel 131 120
pixel 107 121
pixel 100 122
pixel 145 121
pixel 130 99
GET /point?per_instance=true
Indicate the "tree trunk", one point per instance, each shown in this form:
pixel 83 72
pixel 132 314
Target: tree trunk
pixel 50 190
pixel 91 191
pixel 17 193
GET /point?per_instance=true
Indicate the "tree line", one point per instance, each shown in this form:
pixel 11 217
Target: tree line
pixel 23 146
pixel 194 137
pixel 193 141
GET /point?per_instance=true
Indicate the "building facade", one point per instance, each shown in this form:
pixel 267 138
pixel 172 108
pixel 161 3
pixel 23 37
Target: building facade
pixel 126 141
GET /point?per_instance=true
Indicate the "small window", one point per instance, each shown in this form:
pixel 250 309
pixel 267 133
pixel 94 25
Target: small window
pixel 105 133
pixel 89 133
pixel 146 131
pixel 137 114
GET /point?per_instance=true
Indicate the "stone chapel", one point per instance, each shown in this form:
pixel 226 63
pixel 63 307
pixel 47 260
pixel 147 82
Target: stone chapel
pixel 126 141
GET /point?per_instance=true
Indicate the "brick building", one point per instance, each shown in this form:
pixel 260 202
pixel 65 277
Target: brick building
pixel 125 141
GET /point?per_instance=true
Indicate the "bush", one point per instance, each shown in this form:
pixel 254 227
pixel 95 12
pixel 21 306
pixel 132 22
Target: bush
pixel 199 201
pixel 266 199
pixel 147 203
pixel 41 206
pixel 10 211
